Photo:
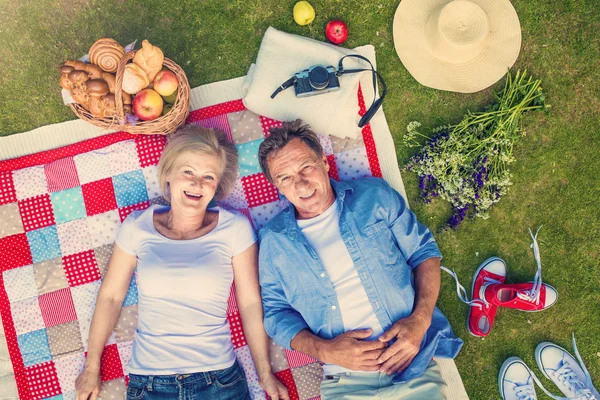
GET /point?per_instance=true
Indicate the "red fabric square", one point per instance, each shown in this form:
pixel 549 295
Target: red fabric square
pixel 7 188
pixel 57 307
pixel 237 332
pixel 110 364
pixel 298 359
pixel 333 171
pixel 149 148
pixel 99 196
pixel 268 123
pixel 61 174
pixel 367 135
pixel 42 380
pixel 36 212
pixel 258 190
pixel 15 252
pixel 232 307
pixel 217 109
pixel 81 268
pixel 125 211
pixel 287 379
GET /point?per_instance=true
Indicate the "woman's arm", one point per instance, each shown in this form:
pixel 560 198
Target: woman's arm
pixel 245 269
pixel 108 308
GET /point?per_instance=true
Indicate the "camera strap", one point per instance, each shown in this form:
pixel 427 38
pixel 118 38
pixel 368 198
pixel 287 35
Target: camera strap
pixel 290 82
pixel 376 102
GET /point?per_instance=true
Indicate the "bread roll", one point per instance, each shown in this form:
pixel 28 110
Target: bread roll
pixel 134 79
pixel 106 53
pixel 150 59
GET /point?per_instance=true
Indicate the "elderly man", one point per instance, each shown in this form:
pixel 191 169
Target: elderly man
pixel 336 276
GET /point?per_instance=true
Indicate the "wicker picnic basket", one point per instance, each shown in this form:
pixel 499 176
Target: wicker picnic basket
pixel 163 125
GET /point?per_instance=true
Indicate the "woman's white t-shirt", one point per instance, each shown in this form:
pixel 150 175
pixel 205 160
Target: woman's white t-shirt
pixel 183 291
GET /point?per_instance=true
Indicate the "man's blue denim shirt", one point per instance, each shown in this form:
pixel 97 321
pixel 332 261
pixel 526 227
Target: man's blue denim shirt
pixel 385 241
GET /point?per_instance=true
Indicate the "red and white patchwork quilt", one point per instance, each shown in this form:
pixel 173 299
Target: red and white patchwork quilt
pixel 59 214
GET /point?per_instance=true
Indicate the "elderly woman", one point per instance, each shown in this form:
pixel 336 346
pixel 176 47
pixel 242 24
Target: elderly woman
pixel 187 256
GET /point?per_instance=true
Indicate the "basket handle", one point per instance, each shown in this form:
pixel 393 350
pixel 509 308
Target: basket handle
pixel 119 83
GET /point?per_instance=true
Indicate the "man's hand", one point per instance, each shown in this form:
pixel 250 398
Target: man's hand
pixel 350 350
pixel 274 388
pixel 409 333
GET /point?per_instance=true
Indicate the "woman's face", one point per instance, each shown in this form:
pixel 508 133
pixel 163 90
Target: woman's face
pixel 193 180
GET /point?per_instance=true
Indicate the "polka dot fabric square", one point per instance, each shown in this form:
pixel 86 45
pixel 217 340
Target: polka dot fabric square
pixel 30 182
pixel 259 190
pixel 34 347
pixel 130 188
pixel 68 369
pixel 278 357
pixel 57 307
pixel 333 170
pixel 44 244
pixel 27 316
pixel 308 380
pixel 237 334
pixel 263 213
pixel 36 212
pixel 15 251
pixel 245 126
pixel 20 283
pixel 244 357
pixel 123 157
pixel 132 293
pixel 114 389
pixel 103 254
pixel 152 185
pixel 99 196
pixel 149 148
pixel 125 211
pixel 61 174
pixel 68 205
pixel 248 158
pixel 81 268
pixel 7 188
pixel 125 354
pixel 236 199
pixel 65 339
pixel 326 144
pixel 126 324
pixel 74 237
pixel 49 276
pixel 110 364
pixel 268 123
pixel 102 228
pixel 353 164
pixel 92 166
pixel 43 380
pixel 11 220
pixel 84 299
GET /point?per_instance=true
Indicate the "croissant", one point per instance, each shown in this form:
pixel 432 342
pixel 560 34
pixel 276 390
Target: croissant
pixel 106 53
pixel 134 79
pixel 150 59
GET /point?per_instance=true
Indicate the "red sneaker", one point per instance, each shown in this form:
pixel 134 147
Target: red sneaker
pixel 520 296
pixel 482 313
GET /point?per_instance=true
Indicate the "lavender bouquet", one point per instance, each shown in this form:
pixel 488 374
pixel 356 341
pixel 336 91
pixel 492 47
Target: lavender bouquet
pixel 468 164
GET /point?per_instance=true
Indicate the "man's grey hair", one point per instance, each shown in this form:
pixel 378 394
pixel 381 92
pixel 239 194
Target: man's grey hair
pixel 280 136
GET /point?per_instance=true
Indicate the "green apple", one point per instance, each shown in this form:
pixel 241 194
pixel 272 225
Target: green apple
pixel 171 98
pixel 304 13
pixel 166 109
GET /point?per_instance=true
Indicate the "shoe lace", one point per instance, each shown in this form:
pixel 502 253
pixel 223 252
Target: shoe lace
pixel 566 375
pixel 525 391
pixel 533 295
pixel 462 293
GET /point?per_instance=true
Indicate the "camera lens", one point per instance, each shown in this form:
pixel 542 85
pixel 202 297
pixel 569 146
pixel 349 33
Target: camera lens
pixel 318 77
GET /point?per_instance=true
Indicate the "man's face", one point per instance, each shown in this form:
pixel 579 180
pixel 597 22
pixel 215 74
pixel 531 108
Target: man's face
pixel 301 176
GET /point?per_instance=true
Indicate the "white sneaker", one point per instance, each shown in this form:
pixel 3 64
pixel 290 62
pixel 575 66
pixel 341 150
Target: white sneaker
pixel 571 376
pixel 515 380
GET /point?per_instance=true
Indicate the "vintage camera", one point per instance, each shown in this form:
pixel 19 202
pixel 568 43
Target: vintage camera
pixel 316 80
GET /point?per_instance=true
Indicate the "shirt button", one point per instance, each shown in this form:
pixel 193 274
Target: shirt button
pixel 333 307
pixel 322 275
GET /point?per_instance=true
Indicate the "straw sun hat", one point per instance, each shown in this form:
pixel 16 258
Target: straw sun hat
pixel 457 45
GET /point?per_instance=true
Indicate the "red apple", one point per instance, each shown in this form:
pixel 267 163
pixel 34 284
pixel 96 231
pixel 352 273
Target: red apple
pixel 147 105
pixel 336 31
pixel 165 83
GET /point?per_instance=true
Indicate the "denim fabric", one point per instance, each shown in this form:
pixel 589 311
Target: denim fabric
pixel 224 384
pixel 385 241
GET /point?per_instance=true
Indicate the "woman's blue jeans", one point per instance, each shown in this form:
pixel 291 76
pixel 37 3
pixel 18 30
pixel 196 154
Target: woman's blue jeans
pixel 224 384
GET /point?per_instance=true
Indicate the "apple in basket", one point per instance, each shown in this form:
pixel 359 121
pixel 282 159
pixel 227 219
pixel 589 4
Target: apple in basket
pixel 336 31
pixel 147 105
pixel 165 83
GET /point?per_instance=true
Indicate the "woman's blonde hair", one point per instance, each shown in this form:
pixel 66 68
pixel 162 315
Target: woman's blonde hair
pixel 195 139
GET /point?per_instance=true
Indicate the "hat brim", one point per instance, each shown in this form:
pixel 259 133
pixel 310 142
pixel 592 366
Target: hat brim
pixel 499 50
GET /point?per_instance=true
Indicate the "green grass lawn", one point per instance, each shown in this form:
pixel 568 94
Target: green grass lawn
pixel 556 179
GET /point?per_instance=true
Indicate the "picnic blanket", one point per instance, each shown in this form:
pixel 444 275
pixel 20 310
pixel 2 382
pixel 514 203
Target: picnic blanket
pixel 61 208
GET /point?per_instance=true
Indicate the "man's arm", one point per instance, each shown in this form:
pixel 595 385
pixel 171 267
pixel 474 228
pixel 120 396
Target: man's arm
pixel 410 331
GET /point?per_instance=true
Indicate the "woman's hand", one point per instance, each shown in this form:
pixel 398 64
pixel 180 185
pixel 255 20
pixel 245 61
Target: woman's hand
pixel 274 388
pixel 87 384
